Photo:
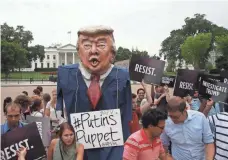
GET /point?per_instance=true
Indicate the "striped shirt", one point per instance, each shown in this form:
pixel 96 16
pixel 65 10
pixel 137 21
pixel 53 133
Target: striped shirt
pixel 219 127
pixel 138 147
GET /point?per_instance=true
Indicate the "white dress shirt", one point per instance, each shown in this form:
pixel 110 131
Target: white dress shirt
pixel 86 75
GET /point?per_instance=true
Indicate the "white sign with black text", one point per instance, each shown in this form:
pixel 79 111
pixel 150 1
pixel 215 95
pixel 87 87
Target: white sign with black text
pixel 98 129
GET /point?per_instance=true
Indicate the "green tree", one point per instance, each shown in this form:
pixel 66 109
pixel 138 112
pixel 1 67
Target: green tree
pixel 122 54
pixel 222 47
pixel 23 38
pixel 13 56
pixel 170 47
pixel 194 50
pixel 125 53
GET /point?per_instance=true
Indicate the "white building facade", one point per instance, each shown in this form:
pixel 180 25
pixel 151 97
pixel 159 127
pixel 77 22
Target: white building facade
pixel 54 57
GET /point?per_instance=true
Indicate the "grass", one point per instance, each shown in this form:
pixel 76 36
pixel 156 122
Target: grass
pixel 26 75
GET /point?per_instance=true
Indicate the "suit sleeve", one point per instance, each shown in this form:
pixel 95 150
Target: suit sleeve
pixel 59 105
pixel 127 111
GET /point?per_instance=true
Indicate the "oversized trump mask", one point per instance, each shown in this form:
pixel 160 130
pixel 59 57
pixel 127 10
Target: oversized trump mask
pixel 96 48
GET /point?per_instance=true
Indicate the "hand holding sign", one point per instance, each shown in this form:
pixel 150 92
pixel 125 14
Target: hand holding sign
pixel 21 153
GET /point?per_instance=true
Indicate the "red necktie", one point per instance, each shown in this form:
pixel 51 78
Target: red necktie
pixel 94 91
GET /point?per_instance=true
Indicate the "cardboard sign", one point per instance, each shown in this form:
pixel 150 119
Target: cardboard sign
pixel 168 80
pixel 44 128
pixel 214 89
pixel 210 77
pixel 27 136
pixel 224 76
pixel 98 129
pixel 187 82
pixel 149 69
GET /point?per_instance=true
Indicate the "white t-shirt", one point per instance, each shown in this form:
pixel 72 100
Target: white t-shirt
pixel 53 114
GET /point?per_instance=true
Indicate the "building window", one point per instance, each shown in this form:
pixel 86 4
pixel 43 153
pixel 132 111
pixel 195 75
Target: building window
pixel 54 66
pixel 42 65
pixel 35 65
pixel 53 56
pixel 48 57
pixel 48 65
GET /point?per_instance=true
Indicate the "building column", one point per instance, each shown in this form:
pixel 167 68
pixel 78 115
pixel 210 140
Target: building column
pixel 57 58
pixel 73 57
pixel 65 58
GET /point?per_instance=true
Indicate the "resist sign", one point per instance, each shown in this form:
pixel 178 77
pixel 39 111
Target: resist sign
pixel 98 129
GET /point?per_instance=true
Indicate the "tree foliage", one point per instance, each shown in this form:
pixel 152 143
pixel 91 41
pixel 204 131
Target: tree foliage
pixel 13 56
pixel 222 47
pixel 194 50
pixel 16 44
pixel 171 46
pixel 125 53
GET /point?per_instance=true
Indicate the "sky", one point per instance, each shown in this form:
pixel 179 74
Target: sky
pixel 137 23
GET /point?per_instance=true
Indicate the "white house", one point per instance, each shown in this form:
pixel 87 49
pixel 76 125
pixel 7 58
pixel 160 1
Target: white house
pixel 55 56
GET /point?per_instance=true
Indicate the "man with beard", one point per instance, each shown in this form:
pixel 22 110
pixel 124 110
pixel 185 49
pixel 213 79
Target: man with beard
pixel 96 84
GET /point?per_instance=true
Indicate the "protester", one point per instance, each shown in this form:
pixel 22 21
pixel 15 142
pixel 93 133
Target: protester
pixel 146 102
pixel 7 100
pixel 95 84
pixel 36 92
pixel 161 97
pixel 50 110
pixel 134 123
pixel 188 131
pixel 25 93
pixel 36 107
pixel 24 102
pixel 46 99
pixel 13 114
pixel 145 144
pixel 219 127
pixel 65 147
pixel 140 95
pixel 40 88
pixel 195 103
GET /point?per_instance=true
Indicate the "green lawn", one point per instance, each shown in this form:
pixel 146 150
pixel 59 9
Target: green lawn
pixel 39 75
pixel 26 75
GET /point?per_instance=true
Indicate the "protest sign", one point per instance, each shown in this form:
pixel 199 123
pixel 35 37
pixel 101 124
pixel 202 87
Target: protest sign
pixel 224 76
pixel 149 69
pixel 212 88
pixel 44 127
pixel 187 82
pixel 27 136
pixel 168 80
pixel 98 129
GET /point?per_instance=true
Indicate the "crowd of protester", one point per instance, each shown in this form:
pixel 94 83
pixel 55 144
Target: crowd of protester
pixel 191 127
pixel 63 144
pixel 163 126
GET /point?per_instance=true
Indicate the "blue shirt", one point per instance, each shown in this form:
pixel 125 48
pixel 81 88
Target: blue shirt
pixel 188 138
pixel 214 110
pixel 195 105
pixel 5 128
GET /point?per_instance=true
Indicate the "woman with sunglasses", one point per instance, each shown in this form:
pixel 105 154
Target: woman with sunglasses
pixel 65 147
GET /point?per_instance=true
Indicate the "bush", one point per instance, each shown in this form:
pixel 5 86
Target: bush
pixel 45 69
pixel 49 73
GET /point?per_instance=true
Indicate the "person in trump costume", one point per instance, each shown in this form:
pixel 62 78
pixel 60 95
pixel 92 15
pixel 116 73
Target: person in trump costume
pixel 95 84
